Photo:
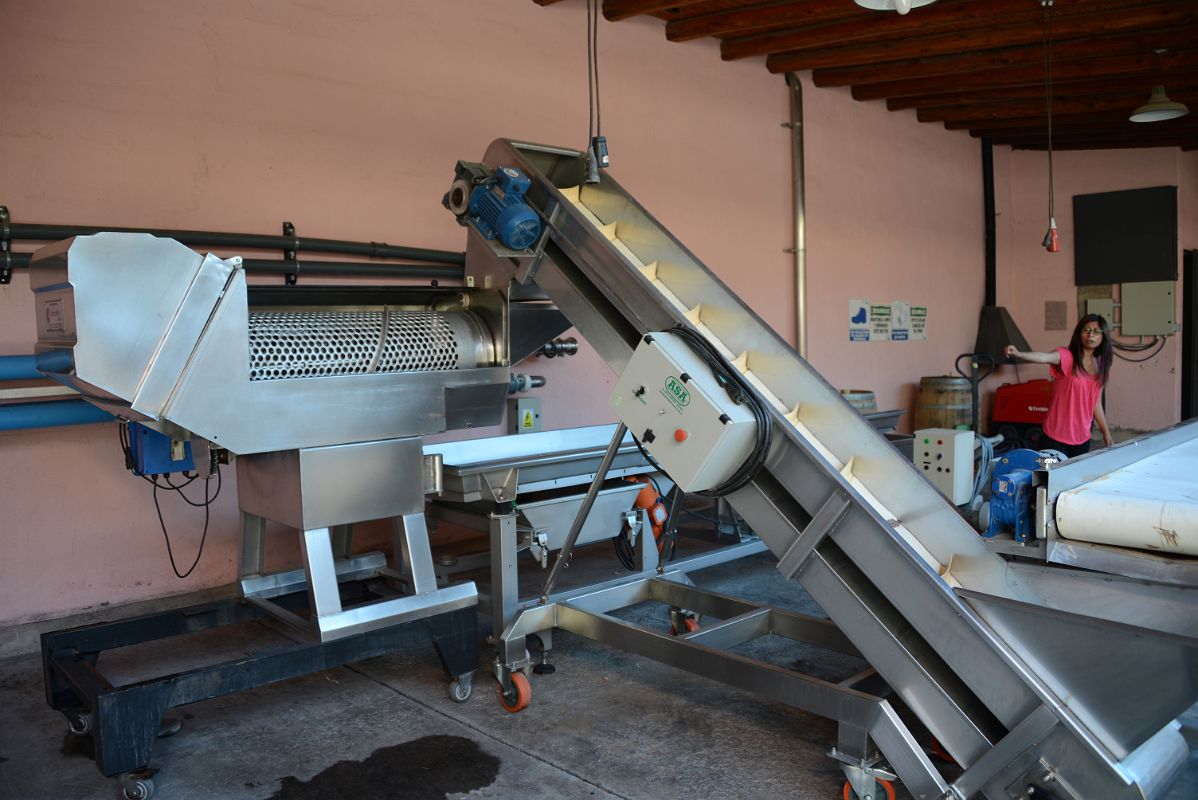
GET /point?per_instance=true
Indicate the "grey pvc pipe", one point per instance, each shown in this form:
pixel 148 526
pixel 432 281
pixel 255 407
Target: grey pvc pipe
pixel 800 208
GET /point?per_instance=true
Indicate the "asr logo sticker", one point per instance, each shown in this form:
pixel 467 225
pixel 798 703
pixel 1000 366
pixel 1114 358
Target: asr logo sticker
pixel 676 392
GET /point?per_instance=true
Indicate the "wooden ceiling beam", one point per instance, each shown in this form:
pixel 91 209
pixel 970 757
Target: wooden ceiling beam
pixel 1107 125
pixel 1107 86
pixel 762 16
pixel 1161 15
pixel 1038 121
pixel 1032 75
pixel 1141 43
pixel 1110 144
pixel 1027 109
pixel 946 17
pixel 623 9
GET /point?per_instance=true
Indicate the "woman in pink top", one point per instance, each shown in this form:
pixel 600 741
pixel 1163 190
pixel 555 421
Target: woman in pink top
pixel 1079 374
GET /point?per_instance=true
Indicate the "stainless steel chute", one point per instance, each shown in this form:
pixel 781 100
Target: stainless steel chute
pixel 903 576
pixel 322 393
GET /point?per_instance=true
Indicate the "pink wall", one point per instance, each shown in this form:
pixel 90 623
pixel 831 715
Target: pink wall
pixel 1140 396
pixel 347 120
pixel 894 212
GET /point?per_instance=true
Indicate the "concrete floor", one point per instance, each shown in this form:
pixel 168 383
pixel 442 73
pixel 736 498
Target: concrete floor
pixel 606 725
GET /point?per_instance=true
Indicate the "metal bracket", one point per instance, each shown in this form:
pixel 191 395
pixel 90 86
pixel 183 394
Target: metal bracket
pixel 291 275
pixel 527 272
pixel 5 248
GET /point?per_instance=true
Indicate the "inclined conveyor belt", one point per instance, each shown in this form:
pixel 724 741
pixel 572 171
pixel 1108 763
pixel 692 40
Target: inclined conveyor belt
pixel 1010 675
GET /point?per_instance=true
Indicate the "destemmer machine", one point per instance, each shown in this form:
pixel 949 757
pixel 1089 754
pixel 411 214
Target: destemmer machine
pixel 1039 682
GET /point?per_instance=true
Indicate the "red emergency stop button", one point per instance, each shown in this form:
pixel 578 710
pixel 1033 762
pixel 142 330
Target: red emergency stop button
pixel 680 435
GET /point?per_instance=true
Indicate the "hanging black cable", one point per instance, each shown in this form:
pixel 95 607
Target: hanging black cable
pixel 739 391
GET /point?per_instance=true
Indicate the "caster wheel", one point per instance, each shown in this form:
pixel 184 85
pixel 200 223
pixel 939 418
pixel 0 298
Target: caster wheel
pixel 80 723
pixel 689 625
pixel 940 753
pixel 137 788
pixel 519 697
pixel 460 691
pixel 849 794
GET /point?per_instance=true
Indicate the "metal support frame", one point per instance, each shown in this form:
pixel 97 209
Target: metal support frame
pixel 863 717
pixel 328 566
pixel 124 721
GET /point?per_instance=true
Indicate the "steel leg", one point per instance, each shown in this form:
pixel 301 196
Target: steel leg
pixel 343 541
pixel 253 545
pixel 324 597
pixel 505 588
pixel 412 547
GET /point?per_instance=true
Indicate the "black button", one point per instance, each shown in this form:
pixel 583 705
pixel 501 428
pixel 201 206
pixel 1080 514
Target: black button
pixel 648 436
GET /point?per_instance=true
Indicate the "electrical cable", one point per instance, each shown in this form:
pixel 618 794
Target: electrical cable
pixel 595 66
pixel 590 80
pixel 1148 357
pixel 168 485
pixel 740 393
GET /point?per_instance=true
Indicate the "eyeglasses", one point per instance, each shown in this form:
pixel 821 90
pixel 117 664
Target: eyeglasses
pixel 1091 330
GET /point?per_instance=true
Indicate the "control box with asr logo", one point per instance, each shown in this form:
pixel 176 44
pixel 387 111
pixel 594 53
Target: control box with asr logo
pixel 945 456
pixel 671 401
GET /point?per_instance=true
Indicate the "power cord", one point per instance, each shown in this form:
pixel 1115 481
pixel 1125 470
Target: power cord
pixel 740 393
pixel 168 485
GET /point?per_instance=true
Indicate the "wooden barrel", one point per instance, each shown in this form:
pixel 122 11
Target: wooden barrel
pixel 944 401
pixel 861 400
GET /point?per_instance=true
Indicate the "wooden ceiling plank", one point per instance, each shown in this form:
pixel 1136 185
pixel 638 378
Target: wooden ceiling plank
pixel 1138 43
pixel 1025 109
pixel 756 16
pixel 623 9
pixel 1114 118
pixel 1139 82
pixel 1151 17
pixel 947 17
pixel 1171 63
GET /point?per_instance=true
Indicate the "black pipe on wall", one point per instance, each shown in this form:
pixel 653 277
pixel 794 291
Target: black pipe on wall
pixel 251 241
pixel 275 266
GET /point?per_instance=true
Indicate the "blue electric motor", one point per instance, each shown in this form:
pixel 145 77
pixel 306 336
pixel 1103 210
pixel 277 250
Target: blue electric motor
pixel 1012 496
pixel 497 209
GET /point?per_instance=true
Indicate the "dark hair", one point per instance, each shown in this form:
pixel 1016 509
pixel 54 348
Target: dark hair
pixel 1104 352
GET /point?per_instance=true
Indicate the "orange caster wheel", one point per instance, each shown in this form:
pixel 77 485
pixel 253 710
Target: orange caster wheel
pixel 849 794
pixel 520 696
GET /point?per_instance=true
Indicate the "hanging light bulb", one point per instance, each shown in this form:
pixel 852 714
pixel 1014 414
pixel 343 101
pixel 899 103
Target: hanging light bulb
pixel 901 6
pixel 1159 107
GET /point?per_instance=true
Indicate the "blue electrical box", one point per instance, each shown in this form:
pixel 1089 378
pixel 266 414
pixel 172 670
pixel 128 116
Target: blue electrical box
pixel 151 454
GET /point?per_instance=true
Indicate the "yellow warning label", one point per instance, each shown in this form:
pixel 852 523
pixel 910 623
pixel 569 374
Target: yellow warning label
pixel 526 421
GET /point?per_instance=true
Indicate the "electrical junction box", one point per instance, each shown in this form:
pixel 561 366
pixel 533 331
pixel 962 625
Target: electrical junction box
pixel 945 456
pixel 524 415
pixel 1103 307
pixel 1147 308
pixel 670 400
pixel 155 453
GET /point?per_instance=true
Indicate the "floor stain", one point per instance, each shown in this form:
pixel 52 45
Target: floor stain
pixel 429 768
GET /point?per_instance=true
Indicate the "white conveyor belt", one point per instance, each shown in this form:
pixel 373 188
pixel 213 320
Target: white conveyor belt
pixel 1149 505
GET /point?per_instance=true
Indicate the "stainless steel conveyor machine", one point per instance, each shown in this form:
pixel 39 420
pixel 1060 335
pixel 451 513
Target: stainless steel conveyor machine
pixel 1033 684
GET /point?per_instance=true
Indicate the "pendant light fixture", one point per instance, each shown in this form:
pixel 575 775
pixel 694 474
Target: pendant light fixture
pixel 1052 241
pixel 1159 107
pixel 901 6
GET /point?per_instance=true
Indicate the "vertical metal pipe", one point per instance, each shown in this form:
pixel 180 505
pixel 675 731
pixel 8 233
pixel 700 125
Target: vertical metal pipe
pixel 988 210
pixel 799 182
pixel 584 510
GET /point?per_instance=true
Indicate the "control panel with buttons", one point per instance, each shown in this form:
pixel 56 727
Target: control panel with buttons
pixel 671 401
pixel 945 456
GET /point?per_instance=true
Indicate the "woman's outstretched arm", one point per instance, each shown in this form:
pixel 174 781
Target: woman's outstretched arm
pixel 1036 358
